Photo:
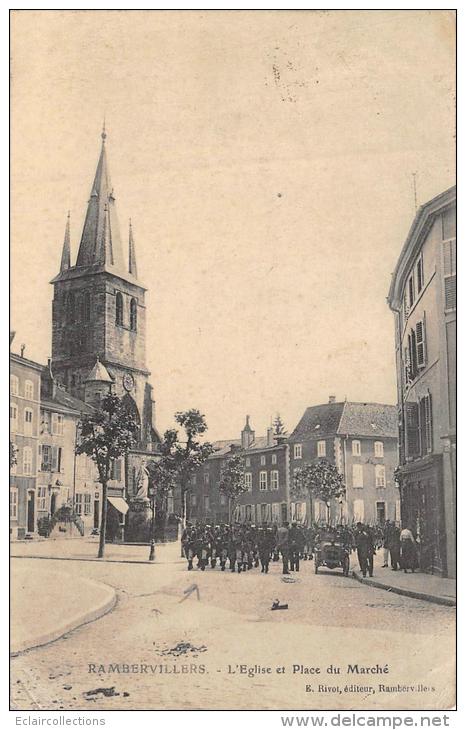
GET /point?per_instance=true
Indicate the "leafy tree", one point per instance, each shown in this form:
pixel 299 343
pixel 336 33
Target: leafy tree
pixel 181 458
pixel 320 480
pixel 105 435
pixel 278 426
pixel 13 454
pixel 232 481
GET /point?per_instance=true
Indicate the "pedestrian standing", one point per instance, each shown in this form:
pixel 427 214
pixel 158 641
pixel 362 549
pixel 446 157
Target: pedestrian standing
pixel 283 545
pixel 394 546
pixel 408 550
pixel 365 549
pixel 386 538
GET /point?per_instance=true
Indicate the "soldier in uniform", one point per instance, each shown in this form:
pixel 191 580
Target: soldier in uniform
pixel 222 546
pixel 190 545
pixel 214 537
pixel 284 546
pixel 266 544
pixel 295 540
pixel 203 546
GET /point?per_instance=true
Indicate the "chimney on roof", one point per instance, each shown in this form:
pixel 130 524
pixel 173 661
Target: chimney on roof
pixel 270 438
pixel 331 399
pixel 23 347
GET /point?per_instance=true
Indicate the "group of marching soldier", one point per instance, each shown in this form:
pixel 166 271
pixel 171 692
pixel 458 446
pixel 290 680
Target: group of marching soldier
pixel 245 546
pixel 241 547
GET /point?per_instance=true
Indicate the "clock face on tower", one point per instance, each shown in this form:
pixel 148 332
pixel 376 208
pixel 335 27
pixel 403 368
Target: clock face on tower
pixel 128 382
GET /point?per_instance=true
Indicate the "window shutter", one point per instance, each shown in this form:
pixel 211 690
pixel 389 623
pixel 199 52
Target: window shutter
pixel 450 292
pixel 412 429
pixel 422 430
pixel 414 362
pixel 420 344
pixel 54 458
pixel 407 366
pixel 401 443
pixel 428 415
pixel 406 305
pixel 449 253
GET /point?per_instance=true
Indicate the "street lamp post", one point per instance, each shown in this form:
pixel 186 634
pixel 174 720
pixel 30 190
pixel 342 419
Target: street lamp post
pixel 152 494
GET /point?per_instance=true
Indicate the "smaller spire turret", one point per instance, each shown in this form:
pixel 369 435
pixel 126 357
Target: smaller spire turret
pixel 132 268
pixel 66 253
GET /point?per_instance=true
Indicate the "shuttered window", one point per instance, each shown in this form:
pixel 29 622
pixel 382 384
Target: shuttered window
pixel 56 458
pixel 412 355
pixel 412 429
pixel 425 418
pixel 449 265
pixel 411 291
pixel 420 344
pixel 450 292
pixel 428 423
pixel 420 274
pixel 407 366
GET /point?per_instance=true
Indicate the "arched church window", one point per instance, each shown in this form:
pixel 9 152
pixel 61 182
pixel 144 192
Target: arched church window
pixel 86 307
pixel 71 307
pixel 133 321
pixel 119 308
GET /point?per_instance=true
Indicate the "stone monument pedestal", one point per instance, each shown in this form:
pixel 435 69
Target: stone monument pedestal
pixel 139 521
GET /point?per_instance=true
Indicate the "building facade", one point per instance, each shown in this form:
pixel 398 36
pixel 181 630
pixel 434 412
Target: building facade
pixel 25 379
pixel 360 439
pixel 65 478
pixel 266 472
pixel 422 297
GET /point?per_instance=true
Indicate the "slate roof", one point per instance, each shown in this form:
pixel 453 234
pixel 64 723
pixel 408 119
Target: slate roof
pixel 223 447
pixel 99 373
pixel 369 419
pixel 347 418
pixel 63 399
pixel 318 422
pixel 100 249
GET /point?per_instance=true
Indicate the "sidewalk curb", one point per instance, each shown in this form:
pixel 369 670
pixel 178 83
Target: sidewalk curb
pixel 105 606
pixel 441 600
pixel 102 561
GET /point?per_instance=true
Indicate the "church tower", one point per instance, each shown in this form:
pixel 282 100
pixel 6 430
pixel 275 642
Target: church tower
pixel 99 313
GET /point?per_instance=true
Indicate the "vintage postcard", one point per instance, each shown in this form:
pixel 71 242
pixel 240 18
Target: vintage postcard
pixel 233 360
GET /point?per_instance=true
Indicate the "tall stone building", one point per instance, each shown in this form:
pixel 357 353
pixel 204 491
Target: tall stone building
pixel 422 297
pixel 360 439
pixel 99 322
pixel 99 309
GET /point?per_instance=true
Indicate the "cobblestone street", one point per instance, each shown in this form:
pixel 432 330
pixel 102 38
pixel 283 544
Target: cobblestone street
pixel 163 648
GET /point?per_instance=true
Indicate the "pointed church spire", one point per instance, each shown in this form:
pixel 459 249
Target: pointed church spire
pixel 100 240
pixel 132 268
pixel 66 253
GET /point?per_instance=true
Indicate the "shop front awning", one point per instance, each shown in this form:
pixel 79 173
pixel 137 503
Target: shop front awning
pixel 119 504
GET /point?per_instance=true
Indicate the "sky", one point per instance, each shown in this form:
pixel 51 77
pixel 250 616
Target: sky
pixel 265 159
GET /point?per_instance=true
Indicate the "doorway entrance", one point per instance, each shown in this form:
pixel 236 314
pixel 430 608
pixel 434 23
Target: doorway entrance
pixel 380 506
pixel 96 513
pixel 31 511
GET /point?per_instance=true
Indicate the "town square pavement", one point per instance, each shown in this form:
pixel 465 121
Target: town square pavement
pixel 209 640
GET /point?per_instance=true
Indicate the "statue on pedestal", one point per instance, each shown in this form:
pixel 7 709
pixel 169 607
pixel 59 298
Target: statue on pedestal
pixel 142 484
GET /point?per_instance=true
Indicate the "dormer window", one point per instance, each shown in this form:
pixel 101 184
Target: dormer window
pixel 119 309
